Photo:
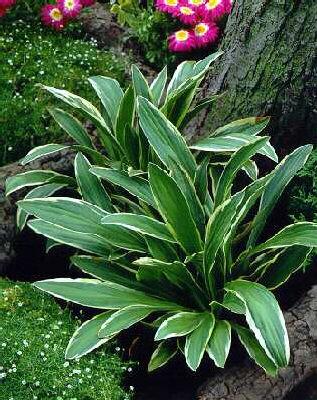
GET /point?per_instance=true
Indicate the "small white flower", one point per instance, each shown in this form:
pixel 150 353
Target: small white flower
pixel 3 344
pixel 26 343
pixel 46 346
pixel 19 304
pixel 131 388
pixel 23 382
pixel 3 375
pixel 19 353
pixel 87 369
pixel 66 364
pixel 129 369
pixel 37 383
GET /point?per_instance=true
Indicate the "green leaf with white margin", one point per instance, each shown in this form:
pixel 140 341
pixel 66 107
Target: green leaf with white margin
pixel 287 263
pixel 72 127
pixel 219 343
pixel 196 341
pixel 218 226
pixel 90 186
pixel 158 85
pixel 141 87
pixel 174 209
pixel 283 174
pixel 164 138
pixel 251 126
pixel 103 295
pixel 35 178
pixel 85 338
pixel 124 319
pixel 50 244
pixel 255 350
pixel 300 233
pixel 125 114
pixel 41 151
pixel 137 186
pixel 264 318
pixel 202 66
pixel 110 94
pixel 235 163
pixel 178 325
pixel 141 224
pixel 183 72
pixel 201 180
pixel 38 192
pixel 164 352
pixel 90 112
pixel 82 241
pixel 251 169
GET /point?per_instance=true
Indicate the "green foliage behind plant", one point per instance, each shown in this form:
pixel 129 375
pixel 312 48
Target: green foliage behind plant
pixel 161 227
pixel 33 334
pixel 31 54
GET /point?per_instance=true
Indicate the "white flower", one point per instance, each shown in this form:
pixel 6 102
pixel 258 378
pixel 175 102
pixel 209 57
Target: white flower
pixel 3 375
pixel 66 364
pixel 131 388
pixel 37 383
pixel 46 346
pixel 23 382
pixel 19 352
pixel 3 344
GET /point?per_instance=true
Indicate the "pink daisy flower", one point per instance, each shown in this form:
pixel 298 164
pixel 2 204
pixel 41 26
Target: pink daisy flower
pixel 213 9
pixel 182 40
pixel 187 15
pixel 205 33
pixel 87 3
pixel 168 6
pixel 70 8
pixel 228 6
pixel 3 11
pixel 4 4
pixel 52 16
pixel 195 4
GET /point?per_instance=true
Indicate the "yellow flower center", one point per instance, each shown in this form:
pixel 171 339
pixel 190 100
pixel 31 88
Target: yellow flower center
pixel 171 3
pixel 56 15
pixel 201 29
pixel 211 4
pixel 196 2
pixel 69 4
pixel 181 36
pixel 186 11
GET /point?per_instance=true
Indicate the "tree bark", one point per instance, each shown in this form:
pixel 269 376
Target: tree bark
pixel 268 68
pixel 248 382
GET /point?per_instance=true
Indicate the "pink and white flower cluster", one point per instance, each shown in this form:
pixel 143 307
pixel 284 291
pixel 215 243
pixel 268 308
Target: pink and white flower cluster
pixel 58 15
pixel 201 17
pixel 5 5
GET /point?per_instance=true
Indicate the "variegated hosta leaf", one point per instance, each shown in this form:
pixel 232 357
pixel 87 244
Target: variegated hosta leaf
pixel 264 318
pixel 179 324
pixel 86 339
pixel 164 138
pixel 125 115
pixel 164 352
pixel 42 151
pixel 140 85
pixel 255 350
pixel 249 126
pixel 219 343
pixel 104 295
pixel 158 85
pixel 283 173
pixel 197 340
pixel 35 178
pixel 124 319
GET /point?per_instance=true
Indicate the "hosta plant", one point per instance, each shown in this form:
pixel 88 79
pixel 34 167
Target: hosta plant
pixel 174 241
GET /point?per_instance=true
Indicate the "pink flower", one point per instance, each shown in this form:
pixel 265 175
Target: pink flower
pixel 87 3
pixel 213 9
pixel 205 33
pixel 227 6
pixel 4 4
pixel 3 11
pixel 195 4
pixel 187 15
pixel 168 6
pixel 182 40
pixel 70 8
pixel 52 16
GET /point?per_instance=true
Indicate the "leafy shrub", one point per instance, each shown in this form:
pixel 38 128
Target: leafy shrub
pixel 171 240
pixel 33 335
pixel 31 54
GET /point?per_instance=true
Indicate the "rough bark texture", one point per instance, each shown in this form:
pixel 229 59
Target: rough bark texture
pixel 62 163
pixel 248 382
pixel 269 68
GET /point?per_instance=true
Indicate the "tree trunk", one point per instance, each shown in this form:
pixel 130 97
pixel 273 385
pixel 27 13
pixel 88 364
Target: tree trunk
pixel 248 382
pixel 269 68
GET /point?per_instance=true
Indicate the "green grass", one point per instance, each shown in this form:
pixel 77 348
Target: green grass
pixel 31 54
pixel 34 333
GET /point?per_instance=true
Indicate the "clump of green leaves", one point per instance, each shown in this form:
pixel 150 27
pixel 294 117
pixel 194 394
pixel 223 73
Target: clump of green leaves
pixel 33 334
pixel 32 54
pixel 161 228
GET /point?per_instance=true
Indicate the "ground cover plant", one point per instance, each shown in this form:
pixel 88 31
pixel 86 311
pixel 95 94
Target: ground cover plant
pixel 171 238
pixel 32 54
pixel 33 334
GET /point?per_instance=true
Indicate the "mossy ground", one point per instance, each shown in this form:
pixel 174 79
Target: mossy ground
pixel 34 332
